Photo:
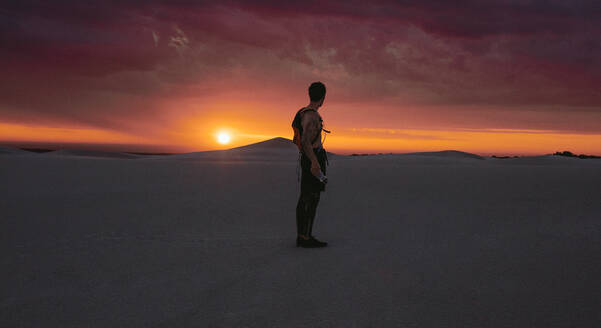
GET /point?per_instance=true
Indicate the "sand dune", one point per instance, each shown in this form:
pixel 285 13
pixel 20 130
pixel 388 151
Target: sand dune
pixel 271 144
pixel 278 149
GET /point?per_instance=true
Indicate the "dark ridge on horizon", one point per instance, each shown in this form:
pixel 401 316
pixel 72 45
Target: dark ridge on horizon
pixel 442 153
pixel 448 153
pixel 148 154
pixel 41 147
pixel 10 150
pixel 504 157
pixel 92 153
pixel 38 150
pixel 570 154
pixel 46 150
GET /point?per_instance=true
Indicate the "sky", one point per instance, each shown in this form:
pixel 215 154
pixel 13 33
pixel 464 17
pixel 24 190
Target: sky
pixel 488 77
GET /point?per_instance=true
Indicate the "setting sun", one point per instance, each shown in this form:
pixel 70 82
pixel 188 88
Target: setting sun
pixel 223 138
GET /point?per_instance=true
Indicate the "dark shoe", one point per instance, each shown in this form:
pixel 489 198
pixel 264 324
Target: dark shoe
pixel 310 243
pixel 317 242
pixel 300 242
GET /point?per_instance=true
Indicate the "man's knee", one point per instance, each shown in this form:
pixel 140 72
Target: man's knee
pixel 310 196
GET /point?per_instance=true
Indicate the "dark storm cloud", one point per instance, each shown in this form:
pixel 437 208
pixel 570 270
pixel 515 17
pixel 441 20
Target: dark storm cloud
pixel 113 62
pixel 460 19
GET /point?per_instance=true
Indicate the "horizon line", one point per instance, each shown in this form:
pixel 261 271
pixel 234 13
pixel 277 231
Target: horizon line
pixel 40 146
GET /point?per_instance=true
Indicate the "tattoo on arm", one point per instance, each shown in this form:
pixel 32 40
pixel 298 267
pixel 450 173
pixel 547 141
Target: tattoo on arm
pixel 309 132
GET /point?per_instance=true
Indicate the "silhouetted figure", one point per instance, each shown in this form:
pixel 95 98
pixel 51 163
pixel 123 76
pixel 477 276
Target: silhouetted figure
pixel 307 126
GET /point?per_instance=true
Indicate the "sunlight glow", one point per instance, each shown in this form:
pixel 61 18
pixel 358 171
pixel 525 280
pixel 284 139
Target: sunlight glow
pixel 223 138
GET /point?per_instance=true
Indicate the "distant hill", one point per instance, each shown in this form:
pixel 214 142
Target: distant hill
pixel 280 148
pixel 275 149
pixel 275 143
pixel 449 154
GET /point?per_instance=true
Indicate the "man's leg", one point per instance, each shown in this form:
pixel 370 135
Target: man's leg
pixel 315 193
pixel 312 210
pixel 306 207
pixel 301 216
pixel 305 212
pixel 303 200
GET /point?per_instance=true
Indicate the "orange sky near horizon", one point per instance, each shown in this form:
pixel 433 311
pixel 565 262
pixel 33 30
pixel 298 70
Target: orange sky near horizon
pixel 196 137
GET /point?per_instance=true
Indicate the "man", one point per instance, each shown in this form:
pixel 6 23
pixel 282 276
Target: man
pixel 307 126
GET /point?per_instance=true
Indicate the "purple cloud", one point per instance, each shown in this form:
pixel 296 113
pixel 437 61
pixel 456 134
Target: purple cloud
pixel 115 64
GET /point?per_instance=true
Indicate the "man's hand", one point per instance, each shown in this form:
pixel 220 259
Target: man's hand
pixel 315 169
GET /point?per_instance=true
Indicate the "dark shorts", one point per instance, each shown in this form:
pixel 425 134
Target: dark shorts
pixel 309 183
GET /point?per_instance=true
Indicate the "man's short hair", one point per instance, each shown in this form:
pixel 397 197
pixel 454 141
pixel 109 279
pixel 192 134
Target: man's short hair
pixel 317 91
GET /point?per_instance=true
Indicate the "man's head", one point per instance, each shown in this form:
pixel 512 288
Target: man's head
pixel 317 92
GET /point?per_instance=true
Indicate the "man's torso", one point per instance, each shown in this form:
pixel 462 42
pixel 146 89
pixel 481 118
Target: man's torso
pixel 317 142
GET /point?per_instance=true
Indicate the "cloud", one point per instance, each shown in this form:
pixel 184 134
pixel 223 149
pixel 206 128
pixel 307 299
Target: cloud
pixel 399 133
pixel 156 38
pixel 97 64
pixel 179 41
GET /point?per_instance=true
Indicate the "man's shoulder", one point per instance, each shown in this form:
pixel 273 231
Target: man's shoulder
pixel 310 115
pixel 309 112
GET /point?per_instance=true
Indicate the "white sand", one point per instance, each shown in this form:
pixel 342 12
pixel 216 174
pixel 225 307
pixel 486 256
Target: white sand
pixel 207 240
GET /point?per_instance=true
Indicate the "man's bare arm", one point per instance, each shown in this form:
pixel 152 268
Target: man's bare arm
pixel 310 130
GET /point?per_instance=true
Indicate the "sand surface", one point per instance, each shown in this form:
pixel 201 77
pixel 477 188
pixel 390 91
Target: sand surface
pixel 207 240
